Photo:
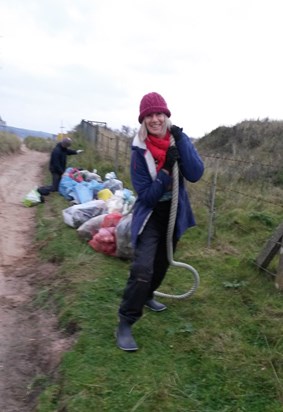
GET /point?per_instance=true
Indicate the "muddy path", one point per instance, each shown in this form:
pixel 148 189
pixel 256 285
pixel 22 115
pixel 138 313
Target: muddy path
pixel 30 342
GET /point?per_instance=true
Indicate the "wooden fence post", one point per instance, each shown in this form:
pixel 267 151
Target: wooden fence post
pixel 117 154
pixel 271 247
pixel 279 275
pixel 212 205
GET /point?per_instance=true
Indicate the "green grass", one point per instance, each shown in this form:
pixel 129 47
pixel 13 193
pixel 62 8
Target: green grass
pixel 218 351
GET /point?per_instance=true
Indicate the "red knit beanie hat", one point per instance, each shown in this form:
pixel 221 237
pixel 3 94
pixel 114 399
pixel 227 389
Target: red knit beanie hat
pixel 153 103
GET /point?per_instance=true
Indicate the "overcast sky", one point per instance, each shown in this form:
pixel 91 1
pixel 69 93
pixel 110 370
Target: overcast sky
pixel 216 62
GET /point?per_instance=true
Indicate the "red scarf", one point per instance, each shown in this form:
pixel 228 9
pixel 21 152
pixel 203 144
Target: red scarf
pixel 158 148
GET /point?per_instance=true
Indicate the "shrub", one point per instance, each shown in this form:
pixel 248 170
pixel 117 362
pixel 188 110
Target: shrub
pixel 9 143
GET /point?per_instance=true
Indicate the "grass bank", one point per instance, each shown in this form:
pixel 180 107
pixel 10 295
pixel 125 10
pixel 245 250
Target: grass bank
pixel 219 351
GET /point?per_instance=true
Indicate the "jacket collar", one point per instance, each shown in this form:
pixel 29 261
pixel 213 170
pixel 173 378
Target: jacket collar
pixel 147 155
pixel 138 143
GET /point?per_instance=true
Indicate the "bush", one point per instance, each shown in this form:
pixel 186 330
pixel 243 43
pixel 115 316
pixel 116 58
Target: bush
pixel 9 143
pixel 39 144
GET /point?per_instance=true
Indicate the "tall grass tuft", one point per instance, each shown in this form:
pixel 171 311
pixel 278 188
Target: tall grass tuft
pixel 39 144
pixel 9 143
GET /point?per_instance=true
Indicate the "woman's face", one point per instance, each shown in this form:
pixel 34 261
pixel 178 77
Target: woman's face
pixel 155 124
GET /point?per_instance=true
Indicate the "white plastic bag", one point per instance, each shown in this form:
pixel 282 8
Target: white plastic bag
pixel 123 237
pixel 88 229
pixel 33 198
pixel 76 215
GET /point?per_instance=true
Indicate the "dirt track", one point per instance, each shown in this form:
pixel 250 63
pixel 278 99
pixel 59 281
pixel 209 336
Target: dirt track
pixel 30 344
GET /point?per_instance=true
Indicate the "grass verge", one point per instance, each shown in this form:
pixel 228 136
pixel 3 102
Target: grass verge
pixel 221 350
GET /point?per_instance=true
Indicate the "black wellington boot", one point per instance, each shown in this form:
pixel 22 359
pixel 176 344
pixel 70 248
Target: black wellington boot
pixel 125 340
pixel 155 306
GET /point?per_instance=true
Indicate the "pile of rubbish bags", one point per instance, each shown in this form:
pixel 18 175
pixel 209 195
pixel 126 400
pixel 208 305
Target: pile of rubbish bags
pixel 100 211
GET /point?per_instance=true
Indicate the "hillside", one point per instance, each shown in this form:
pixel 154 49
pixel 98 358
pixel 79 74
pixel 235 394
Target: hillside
pixel 23 133
pixel 258 143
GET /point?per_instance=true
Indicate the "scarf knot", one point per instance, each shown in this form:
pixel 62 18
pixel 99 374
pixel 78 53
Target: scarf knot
pixel 158 148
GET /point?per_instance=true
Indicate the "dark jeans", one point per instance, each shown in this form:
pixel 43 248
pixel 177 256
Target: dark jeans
pixel 55 181
pixel 149 266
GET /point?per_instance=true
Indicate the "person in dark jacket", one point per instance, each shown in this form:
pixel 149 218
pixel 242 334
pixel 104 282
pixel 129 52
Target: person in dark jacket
pixel 58 163
pixel 152 161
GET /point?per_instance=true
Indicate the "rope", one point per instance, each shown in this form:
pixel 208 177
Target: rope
pixel 171 225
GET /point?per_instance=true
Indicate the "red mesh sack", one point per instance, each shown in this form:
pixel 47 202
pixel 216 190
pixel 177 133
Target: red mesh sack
pixel 111 219
pixel 104 241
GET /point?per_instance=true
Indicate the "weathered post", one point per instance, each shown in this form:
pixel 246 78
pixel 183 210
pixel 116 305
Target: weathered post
pixel 116 153
pixel 279 275
pixel 212 206
pixel 273 246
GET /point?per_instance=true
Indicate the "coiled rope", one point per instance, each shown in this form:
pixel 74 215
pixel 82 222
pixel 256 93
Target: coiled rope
pixel 170 230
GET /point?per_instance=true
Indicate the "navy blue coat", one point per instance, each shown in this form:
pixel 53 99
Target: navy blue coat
pixel 150 185
pixel 58 159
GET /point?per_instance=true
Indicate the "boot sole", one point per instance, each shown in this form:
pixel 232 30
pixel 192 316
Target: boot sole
pixel 156 310
pixel 127 350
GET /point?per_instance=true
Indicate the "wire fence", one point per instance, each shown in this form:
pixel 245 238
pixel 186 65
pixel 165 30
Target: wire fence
pixel 226 180
pixel 112 146
pixel 260 201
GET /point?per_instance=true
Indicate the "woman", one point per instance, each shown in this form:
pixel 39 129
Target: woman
pixel 151 167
